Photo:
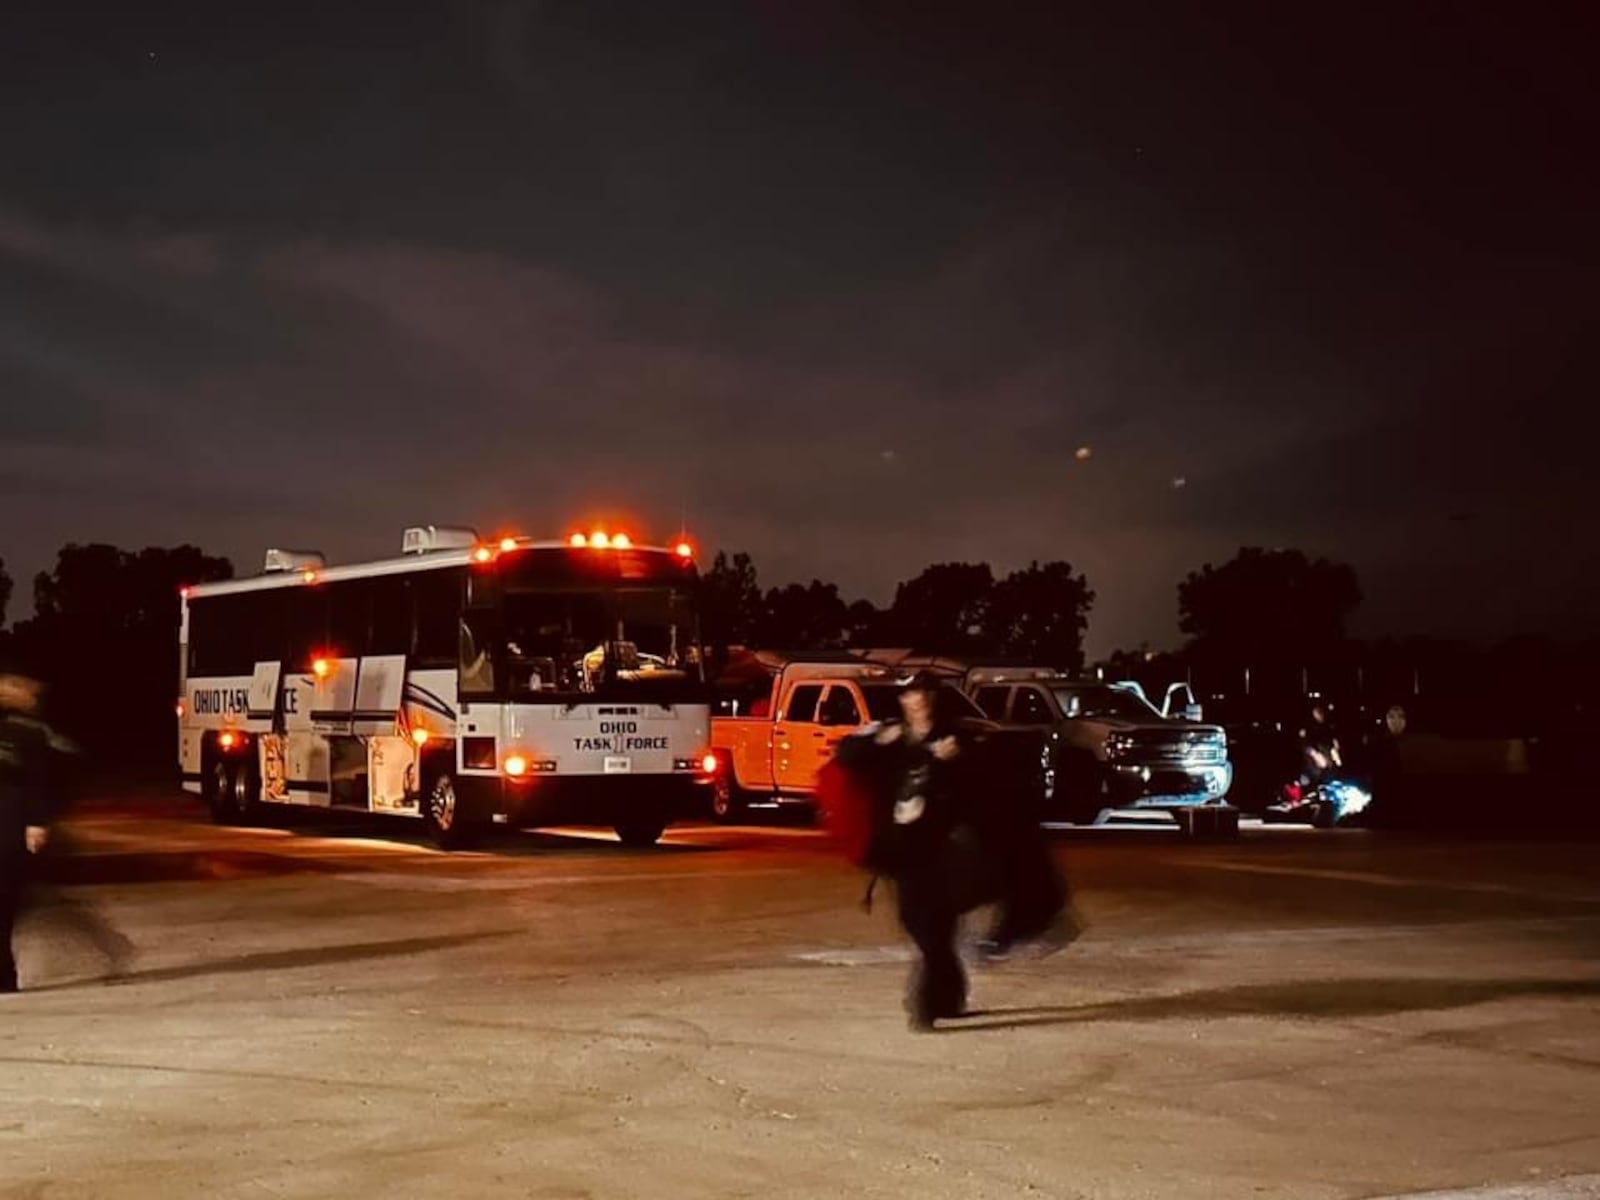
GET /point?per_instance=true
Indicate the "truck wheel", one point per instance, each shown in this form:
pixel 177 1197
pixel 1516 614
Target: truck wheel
pixel 442 816
pixel 1087 791
pixel 641 831
pixel 727 797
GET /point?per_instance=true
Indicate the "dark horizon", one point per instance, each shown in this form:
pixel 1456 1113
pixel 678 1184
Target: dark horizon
pixel 844 288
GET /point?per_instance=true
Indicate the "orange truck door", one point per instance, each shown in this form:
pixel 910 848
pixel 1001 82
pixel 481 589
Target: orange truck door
pixel 795 739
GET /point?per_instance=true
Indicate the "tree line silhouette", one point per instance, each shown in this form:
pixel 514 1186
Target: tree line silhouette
pixel 1262 629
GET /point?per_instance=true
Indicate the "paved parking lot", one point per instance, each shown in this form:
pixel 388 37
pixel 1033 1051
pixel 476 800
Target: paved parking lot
pixel 339 1010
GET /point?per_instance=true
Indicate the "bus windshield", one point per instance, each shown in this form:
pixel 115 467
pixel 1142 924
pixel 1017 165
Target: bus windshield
pixel 604 640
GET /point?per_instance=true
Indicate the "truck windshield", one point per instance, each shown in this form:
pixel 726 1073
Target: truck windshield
pixel 1102 702
pixel 883 702
pixel 608 640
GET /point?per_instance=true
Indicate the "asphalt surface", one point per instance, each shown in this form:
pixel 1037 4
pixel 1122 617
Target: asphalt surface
pixel 338 1010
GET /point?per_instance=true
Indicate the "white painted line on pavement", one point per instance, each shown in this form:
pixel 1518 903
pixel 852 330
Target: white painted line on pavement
pixel 1573 1187
pixel 865 956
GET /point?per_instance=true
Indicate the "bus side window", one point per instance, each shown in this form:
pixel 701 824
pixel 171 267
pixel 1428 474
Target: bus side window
pixel 306 621
pixel 391 615
pixel 437 598
pixel 348 604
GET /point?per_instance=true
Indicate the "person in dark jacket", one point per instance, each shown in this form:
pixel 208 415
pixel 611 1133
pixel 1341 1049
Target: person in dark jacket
pixel 930 853
pixel 1032 912
pixel 24 803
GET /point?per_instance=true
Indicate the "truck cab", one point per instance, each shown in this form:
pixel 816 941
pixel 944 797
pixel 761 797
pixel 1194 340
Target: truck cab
pixel 1107 747
pixel 771 742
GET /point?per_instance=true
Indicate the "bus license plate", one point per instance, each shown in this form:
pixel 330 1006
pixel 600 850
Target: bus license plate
pixel 619 766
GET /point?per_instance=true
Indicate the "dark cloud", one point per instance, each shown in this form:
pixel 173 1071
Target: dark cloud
pixel 845 284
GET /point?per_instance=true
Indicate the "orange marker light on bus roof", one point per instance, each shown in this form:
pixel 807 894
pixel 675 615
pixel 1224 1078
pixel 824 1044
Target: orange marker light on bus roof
pixel 308 575
pixel 577 539
pixel 419 736
pixel 685 550
pixel 482 554
pixel 621 541
pixel 507 544
pixel 599 540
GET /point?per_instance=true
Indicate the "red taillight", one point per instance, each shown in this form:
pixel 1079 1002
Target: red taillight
pixel 419 736
pixel 516 766
pixel 320 668
pixel 709 764
pixel 227 739
pixel 180 707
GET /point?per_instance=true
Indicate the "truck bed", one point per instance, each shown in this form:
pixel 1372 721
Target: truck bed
pixel 746 744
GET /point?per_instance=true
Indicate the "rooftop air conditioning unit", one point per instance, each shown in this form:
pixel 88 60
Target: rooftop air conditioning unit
pixel 425 539
pixel 293 560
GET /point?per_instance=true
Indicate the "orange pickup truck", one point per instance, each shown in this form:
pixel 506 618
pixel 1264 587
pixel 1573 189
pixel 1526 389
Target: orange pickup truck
pixel 770 756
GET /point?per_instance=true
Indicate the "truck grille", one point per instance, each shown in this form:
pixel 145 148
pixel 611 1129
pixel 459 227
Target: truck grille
pixel 1165 745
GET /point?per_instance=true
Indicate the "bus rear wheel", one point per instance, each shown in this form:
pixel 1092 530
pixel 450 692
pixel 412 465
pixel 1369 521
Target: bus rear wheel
pixel 641 831
pixel 219 791
pixel 244 797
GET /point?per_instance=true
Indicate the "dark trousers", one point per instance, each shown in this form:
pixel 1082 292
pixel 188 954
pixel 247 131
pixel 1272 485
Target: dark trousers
pixel 930 913
pixel 1020 876
pixel 10 904
pixel 54 908
pixel 1031 891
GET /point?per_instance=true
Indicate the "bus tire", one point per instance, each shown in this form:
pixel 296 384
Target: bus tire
pixel 243 798
pixel 218 788
pixel 641 831
pixel 442 814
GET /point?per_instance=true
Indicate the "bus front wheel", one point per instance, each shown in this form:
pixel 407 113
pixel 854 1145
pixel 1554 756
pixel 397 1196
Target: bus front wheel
pixel 441 813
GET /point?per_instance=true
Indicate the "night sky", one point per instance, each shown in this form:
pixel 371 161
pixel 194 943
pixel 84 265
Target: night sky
pixel 843 285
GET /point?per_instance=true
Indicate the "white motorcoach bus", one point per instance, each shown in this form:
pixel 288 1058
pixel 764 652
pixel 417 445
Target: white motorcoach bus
pixel 463 683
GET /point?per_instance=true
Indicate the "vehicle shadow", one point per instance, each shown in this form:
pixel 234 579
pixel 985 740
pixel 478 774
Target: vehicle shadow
pixel 279 960
pixel 499 840
pixel 1326 999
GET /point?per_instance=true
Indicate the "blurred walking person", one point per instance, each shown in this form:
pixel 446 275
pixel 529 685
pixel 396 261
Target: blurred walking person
pixel 931 853
pixel 24 803
pixel 30 797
